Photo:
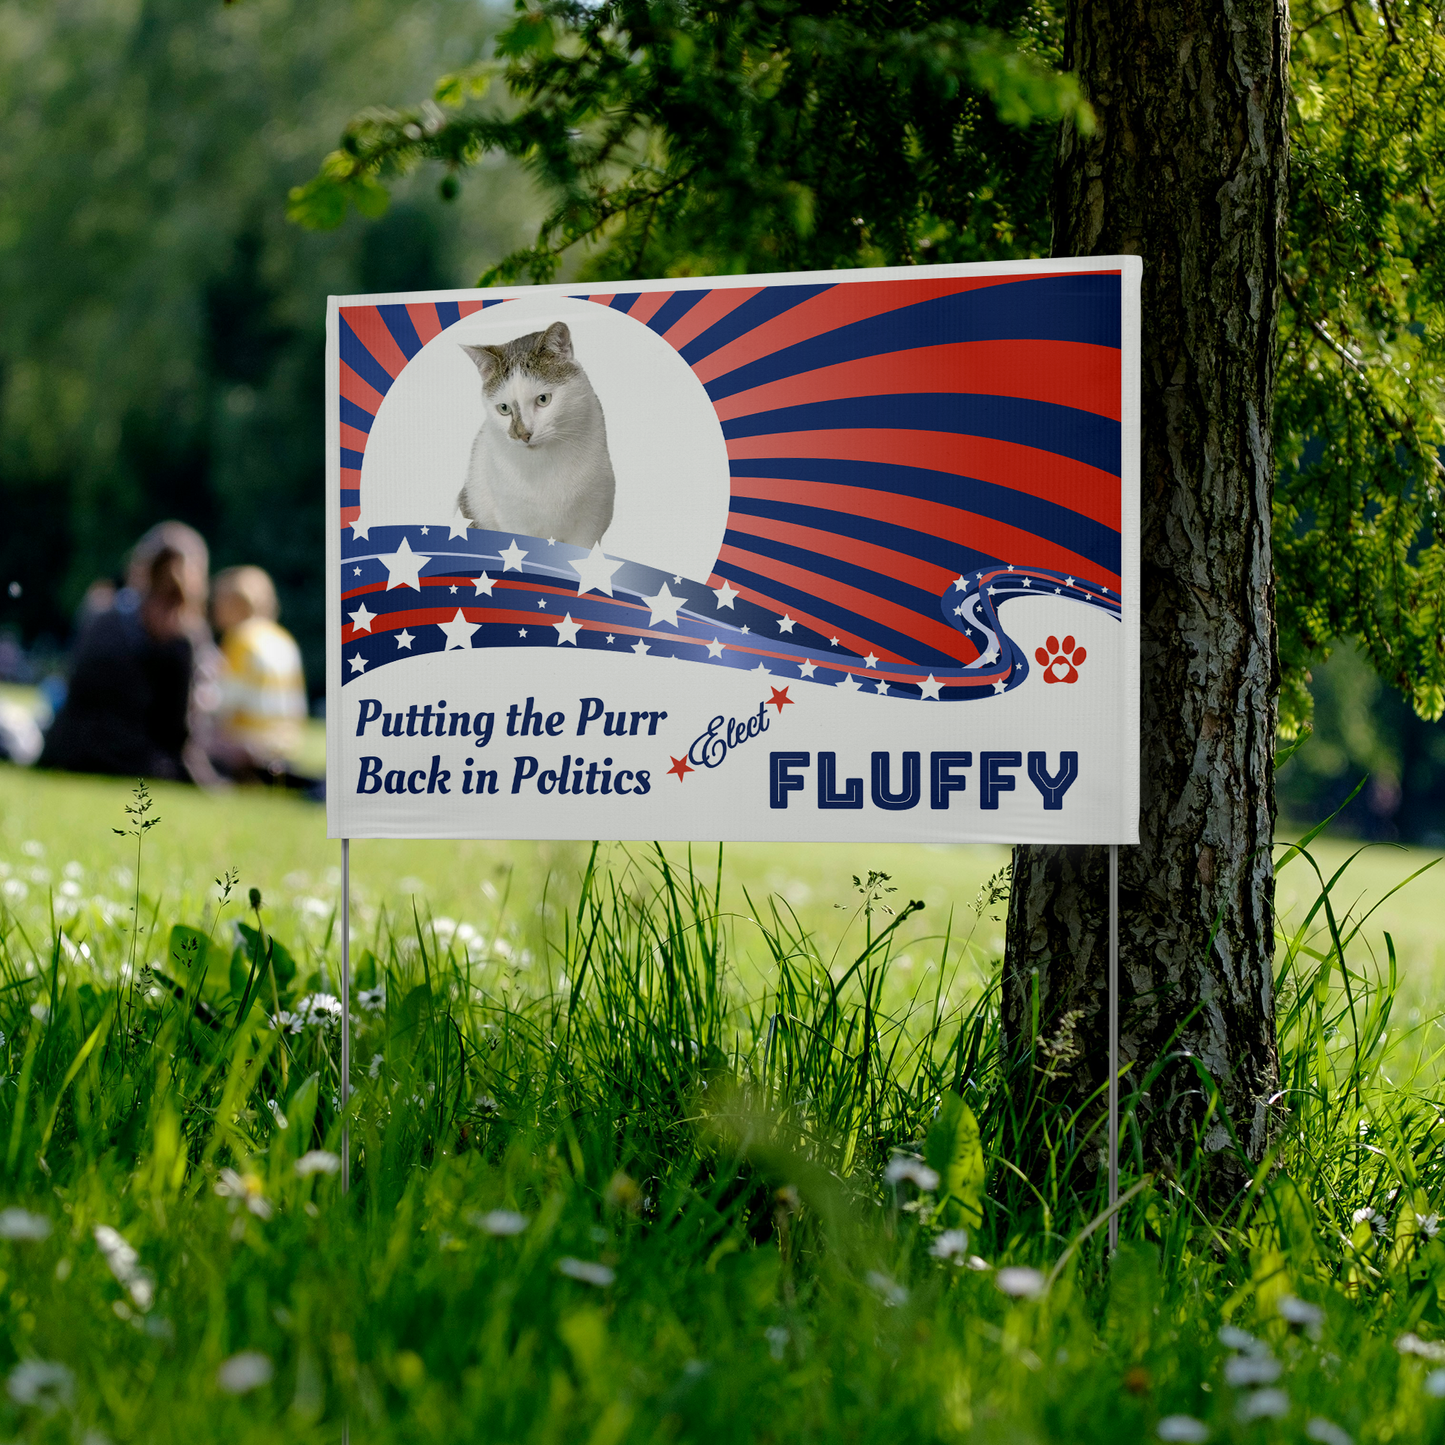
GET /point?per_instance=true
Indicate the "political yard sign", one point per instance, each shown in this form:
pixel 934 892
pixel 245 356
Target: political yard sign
pixel 842 555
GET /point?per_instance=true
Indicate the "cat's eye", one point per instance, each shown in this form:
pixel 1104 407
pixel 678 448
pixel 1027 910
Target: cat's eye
pixel 504 408
pixel 544 398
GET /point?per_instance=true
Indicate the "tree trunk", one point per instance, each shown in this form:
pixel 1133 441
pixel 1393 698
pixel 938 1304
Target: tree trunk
pixel 1187 170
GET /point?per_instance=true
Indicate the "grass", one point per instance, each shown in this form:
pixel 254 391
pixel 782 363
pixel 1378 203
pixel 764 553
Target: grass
pixel 644 1153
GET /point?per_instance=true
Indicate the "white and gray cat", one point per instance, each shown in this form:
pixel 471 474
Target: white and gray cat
pixel 540 464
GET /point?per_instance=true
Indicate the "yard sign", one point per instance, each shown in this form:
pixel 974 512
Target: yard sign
pixel 867 565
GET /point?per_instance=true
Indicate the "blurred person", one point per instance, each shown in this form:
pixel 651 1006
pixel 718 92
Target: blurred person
pixel 136 701
pixel 258 721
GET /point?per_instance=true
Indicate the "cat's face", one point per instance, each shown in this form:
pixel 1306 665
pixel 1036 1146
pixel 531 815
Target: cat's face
pixel 531 387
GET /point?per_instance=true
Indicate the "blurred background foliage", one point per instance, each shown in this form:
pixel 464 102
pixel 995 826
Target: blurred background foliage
pixel 161 324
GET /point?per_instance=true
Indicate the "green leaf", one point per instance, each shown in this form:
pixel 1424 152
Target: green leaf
pixel 281 959
pixel 954 1151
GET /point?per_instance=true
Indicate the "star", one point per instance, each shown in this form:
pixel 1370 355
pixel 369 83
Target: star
pixel 833 641
pixel 1056 591
pixel 1010 566
pixel 724 595
pixel 542 602
pixel 958 611
pixel 551 541
pixel 989 653
pixel 779 700
pixel 512 557
pixel 483 585
pixel 786 623
pixel 999 687
pixel 847 682
pixel 358 663
pixel 642 649
pixel 681 767
pixel 745 631
pixel 361 619
pixel 1028 581
pixel 611 638
pixel 677 577
pixel 664 607
pixel 452 589
pixel 992 591
pixel 521 632
pixel 404 639
pixel 594 571
pixel 458 630
pixel 807 669
pixel 960 582
pixel 714 648
pixel 457 527
pixel 760 669
pixel 931 688
pixel 425 530
pixel 1068 581
pixel 870 661
pixel 356 571
pixel 359 529
pixel 567 631
pixel 403 567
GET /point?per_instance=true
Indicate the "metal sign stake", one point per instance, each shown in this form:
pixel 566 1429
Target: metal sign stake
pixel 1113 1046
pixel 345 1012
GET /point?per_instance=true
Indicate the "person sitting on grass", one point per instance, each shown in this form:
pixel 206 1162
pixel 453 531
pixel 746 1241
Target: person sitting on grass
pixel 257 726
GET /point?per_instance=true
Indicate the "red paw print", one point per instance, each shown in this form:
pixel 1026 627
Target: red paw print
pixel 1060 664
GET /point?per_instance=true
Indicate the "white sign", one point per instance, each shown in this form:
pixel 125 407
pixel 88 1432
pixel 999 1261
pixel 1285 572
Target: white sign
pixel 818 556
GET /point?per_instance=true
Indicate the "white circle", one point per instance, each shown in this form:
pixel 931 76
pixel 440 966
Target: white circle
pixel 666 443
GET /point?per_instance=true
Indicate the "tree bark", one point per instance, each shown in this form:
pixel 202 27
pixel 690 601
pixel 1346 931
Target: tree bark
pixel 1186 169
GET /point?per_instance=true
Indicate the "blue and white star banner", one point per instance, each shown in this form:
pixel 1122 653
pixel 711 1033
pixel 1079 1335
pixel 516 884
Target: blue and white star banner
pixel 722 558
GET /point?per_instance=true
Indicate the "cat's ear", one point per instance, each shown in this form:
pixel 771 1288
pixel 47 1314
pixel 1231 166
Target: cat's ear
pixel 487 359
pixel 557 341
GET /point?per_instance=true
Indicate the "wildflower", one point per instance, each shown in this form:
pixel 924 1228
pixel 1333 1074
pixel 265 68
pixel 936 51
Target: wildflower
pixel 951 1245
pixel 622 1193
pixel 21 1224
pixel 288 1023
pixel 1264 1405
pixel 904 1166
pixel 41 1382
pixel 244 1189
pixel 244 1372
pixel 1301 1312
pixel 124 1264
pixel 1020 1281
pixel 318 1161
pixel 1234 1338
pixel 1252 1370
pixel 1184 1428
pixel 487 1105
pixel 1327 1432
pixel 586 1271
pixel 320 1010
pixel 777 1338
pixel 373 1000
pixel 1368 1215
pixel 1412 1344
pixel 501 1222
pixel 892 1293
pixel 374 1070
pixel 1428 1224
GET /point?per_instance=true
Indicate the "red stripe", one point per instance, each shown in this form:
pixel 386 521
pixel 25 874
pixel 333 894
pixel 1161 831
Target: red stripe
pixel 1046 475
pixel 712 308
pixel 1062 373
pixel 647 305
pixel 350 477
pixel 954 524
pixel 841 305
pixel 604 300
pixel 424 317
pixel 353 438
pixel 466 308
pixel 372 333
pixel 885 562
pixel 349 515
pixel 355 389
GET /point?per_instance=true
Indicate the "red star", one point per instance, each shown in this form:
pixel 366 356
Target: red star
pixel 681 767
pixel 779 700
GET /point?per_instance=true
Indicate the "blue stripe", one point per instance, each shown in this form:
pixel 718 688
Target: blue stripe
pixel 361 361
pixel 350 496
pixel 350 458
pixel 1043 519
pixel 871 631
pixel 1066 431
pixel 398 322
pixel 1055 308
pixel 771 301
pixel 623 302
pixel 448 313
pixel 674 309
pixel 356 416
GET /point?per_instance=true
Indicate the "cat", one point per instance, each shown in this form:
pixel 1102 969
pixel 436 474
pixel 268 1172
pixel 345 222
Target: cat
pixel 539 465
